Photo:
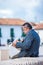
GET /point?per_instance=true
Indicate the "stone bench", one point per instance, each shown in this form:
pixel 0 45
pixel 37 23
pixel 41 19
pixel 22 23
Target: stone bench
pixel 23 61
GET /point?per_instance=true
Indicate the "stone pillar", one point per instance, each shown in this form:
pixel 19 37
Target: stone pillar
pixel 4 53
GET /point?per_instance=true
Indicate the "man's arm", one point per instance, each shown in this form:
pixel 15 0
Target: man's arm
pixel 27 42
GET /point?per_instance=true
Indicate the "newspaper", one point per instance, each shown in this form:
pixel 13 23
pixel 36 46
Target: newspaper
pixel 13 51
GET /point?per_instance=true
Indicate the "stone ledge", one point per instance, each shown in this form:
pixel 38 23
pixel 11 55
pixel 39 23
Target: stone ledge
pixel 23 61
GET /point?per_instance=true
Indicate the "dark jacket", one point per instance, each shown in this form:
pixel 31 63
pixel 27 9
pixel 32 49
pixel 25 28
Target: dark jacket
pixel 30 46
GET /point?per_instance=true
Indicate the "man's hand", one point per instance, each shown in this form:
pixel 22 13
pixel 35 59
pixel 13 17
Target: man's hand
pixel 14 43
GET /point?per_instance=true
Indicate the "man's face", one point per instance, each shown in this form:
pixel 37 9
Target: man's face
pixel 25 29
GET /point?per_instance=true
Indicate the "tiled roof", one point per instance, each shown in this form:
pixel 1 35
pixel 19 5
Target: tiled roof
pixel 37 25
pixel 11 21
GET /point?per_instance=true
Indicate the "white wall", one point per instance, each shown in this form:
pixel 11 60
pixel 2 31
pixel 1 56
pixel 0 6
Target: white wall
pixel 6 32
pixel 40 32
pixel 18 32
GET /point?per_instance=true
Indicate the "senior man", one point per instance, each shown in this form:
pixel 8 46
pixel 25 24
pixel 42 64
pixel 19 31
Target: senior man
pixel 30 45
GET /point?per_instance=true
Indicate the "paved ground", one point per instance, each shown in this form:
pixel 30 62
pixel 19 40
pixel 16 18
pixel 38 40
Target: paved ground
pixel 23 61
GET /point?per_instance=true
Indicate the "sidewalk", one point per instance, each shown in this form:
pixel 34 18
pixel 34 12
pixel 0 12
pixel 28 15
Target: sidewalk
pixel 23 61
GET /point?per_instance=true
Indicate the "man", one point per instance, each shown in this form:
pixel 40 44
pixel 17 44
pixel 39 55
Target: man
pixel 30 45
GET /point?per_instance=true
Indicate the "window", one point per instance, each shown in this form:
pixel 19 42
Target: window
pixel 23 34
pixel 0 33
pixel 12 34
pixel 0 36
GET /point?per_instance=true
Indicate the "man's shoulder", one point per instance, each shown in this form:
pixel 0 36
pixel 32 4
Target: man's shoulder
pixel 31 31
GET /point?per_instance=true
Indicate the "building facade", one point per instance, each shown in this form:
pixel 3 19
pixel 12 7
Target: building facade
pixel 11 29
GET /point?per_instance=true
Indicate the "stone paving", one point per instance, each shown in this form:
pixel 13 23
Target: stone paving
pixel 23 61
